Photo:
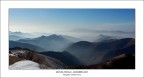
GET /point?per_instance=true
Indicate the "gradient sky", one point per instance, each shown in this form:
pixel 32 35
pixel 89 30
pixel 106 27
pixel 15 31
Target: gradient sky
pixel 71 21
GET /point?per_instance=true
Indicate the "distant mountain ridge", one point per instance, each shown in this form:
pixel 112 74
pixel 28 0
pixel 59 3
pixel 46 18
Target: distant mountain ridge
pixel 15 38
pixel 50 43
pixel 76 53
pixel 102 37
pixel 21 34
pixel 86 52
pixel 13 44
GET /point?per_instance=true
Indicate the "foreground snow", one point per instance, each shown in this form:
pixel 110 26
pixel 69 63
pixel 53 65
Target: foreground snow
pixel 26 64
pixel 40 61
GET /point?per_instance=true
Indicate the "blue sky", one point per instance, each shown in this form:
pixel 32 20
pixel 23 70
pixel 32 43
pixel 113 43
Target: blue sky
pixel 67 21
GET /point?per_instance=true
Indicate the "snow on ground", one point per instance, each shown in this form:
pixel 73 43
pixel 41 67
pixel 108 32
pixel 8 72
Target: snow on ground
pixel 11 55
pixel 24 65
pixel 21 51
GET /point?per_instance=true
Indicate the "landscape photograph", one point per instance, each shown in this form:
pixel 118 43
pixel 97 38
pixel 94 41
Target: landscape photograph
pixel 75 38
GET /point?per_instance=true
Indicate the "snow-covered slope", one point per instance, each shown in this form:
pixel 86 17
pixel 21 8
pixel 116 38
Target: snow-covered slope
pixel 23 65
pixel 44 62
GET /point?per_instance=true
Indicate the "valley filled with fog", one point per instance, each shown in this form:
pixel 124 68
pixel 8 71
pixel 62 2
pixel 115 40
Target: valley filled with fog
pixel 72 52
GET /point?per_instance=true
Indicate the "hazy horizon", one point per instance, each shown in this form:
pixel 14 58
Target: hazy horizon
pixel 82 23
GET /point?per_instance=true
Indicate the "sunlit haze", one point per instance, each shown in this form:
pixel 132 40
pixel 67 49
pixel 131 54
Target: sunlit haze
pixel 82 23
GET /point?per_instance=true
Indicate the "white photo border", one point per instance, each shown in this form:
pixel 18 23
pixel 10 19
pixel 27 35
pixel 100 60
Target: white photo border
pixel 137 5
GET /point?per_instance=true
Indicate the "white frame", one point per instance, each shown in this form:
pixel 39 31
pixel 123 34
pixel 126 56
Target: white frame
pixel 137 5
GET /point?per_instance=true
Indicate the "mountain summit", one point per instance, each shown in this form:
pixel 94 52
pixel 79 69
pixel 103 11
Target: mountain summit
pixel 49 43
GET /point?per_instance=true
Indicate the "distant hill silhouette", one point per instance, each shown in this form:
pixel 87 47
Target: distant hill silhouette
pixel 101 38
pixel 15 38
pixel 21 34
pixel 13 44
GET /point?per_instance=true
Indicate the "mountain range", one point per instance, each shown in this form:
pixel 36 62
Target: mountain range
pixel 50 43
pixel 73 52
pixel 96 52
pixel 14 44
pixel 21 34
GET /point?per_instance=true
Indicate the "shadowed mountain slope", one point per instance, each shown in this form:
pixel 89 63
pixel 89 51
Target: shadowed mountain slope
pixel 64 56
pixel 123 61
pixel 96 52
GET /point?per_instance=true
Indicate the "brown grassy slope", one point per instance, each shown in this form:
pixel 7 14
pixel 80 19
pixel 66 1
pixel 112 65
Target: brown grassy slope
pixel 123 61
pixel 13 59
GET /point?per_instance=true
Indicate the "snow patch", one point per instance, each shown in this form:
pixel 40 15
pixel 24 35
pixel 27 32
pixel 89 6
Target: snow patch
pixel 21 51
pixel 24 65
pixel 11 55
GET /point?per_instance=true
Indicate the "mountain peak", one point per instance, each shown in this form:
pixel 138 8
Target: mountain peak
pixel 103 37
pixel 51 36
pixel 106 36
pixel 82 44
pixel 43 36
pixel 54 35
